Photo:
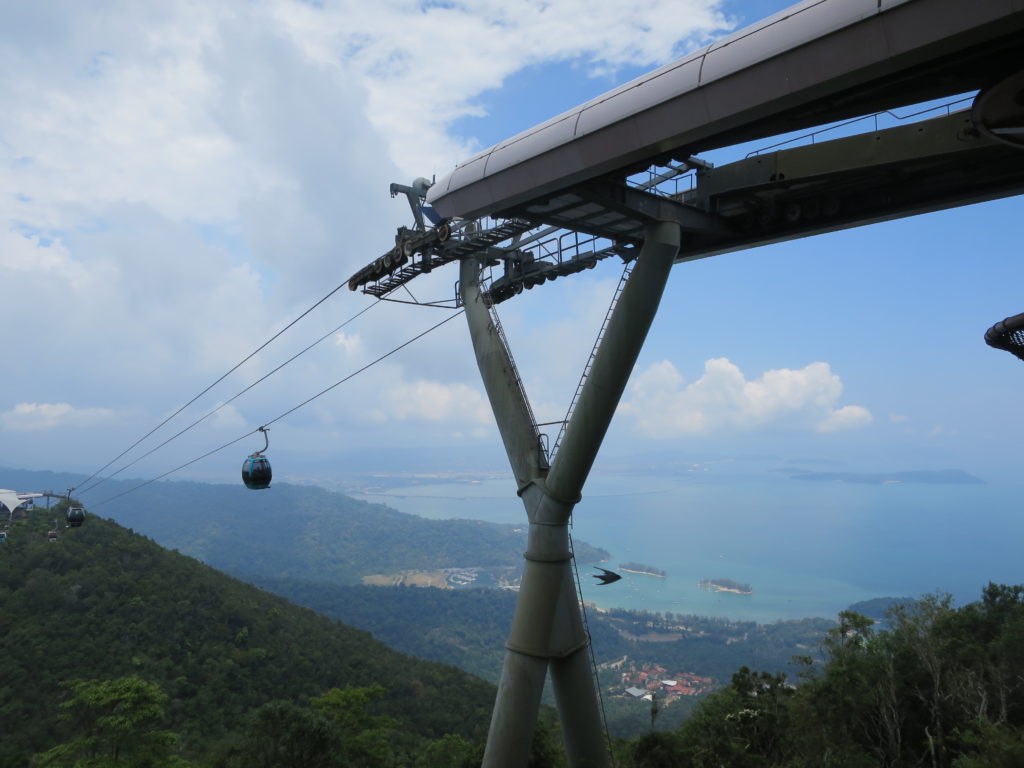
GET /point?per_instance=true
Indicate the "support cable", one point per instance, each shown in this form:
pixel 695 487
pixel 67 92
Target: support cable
pixel 286 413
pixel 590 646
pixel 218 381
pixel 401 346
pixel 227 402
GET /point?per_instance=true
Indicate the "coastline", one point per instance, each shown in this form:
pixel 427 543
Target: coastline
pixel 783 589
pixel 643 573
pixel 717 588
pixel 726 585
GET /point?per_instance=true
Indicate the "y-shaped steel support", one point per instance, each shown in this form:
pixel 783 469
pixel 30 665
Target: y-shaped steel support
pixel 547 631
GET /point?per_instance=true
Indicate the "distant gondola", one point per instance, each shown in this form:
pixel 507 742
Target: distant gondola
pixel 76 516
pixel 51 536
pixel 256 472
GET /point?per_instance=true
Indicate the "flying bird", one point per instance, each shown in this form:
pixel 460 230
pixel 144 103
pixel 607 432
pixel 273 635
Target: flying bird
pixel 606 576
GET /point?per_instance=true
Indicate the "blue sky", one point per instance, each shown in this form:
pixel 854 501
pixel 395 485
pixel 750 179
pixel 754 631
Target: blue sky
pixel 180 181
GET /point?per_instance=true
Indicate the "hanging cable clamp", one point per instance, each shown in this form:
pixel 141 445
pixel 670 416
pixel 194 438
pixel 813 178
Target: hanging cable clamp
pixel 266 440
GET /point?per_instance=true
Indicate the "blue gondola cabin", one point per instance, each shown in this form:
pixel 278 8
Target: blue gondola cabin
pixel 256 472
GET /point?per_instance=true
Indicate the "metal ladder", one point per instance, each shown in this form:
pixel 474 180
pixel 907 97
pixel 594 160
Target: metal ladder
pixel 500 333
pixel 626 271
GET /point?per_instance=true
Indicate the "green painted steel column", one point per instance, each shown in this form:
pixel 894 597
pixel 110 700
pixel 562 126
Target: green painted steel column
pixel 522 678
pixel 617 354
pixel 518 433
pixel 613 364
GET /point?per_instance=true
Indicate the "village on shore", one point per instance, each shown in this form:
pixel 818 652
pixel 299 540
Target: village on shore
pixel 647 681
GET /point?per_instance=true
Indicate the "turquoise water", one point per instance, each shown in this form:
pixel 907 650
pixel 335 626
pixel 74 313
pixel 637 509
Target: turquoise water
pixel 807 548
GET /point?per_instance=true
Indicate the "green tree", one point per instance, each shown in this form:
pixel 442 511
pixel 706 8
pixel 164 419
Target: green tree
pixel 546 750
pixel 281 734
pixel 853 704
pixel 746 725
pixel 362 739
pixel 994 746
pixel 932 671
pixel 118 724
pixel 450 751
pixel 654 750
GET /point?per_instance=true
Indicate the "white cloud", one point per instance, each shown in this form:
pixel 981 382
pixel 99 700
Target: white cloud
pixel 30 417
pixel 662 404
pixel 29 253
pixel 351 344
pixel 178 181
pixel 847 417
pixel 434 401
pixel 228 417
pixel 425 64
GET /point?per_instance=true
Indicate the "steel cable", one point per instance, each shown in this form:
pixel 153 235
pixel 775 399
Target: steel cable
pixel 211 386
pixel 228 401
pixel 283 415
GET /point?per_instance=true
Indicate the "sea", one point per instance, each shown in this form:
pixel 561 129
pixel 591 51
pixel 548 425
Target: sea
pixel 807 548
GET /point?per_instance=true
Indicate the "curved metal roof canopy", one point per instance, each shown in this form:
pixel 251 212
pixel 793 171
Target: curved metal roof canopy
pixel 12 499
pixel 814 63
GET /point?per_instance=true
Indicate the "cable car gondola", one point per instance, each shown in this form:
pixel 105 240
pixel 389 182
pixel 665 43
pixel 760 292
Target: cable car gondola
pixel 76 516
pixel 256 472
pixel 51 536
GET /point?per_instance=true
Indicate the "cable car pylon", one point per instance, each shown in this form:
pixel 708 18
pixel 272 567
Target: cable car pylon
pixel 547 632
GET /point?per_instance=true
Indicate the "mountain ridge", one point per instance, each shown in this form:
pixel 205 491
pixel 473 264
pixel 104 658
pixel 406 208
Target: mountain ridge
pixel 297 531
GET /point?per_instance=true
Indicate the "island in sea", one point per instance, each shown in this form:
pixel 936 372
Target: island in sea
pixel 726 585
pixel 931 477
pixel 646 570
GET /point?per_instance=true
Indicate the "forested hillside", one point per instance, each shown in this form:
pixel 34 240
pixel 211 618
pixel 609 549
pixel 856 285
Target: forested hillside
pixel 468 628
pixel 104 603
pixel 113 646
pixel 941 687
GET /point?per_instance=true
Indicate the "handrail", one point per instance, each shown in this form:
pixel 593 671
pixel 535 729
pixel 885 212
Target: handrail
pixel 874 116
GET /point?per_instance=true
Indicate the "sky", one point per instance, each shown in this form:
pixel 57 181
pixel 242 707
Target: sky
pixel 180 180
